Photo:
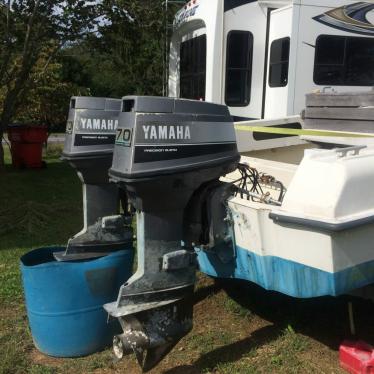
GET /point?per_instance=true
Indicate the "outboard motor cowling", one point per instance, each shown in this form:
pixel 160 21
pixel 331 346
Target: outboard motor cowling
pixel 89 143
pixel 166 149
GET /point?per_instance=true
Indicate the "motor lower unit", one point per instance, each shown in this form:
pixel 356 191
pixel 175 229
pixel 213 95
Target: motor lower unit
pixel 167 152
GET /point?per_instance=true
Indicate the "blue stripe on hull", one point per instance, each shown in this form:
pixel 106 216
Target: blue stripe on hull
pixel 287 277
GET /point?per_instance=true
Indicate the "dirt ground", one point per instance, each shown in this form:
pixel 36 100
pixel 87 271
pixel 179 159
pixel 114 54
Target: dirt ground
pixel 240 328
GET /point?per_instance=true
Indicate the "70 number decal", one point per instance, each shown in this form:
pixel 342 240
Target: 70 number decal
pixel 123 137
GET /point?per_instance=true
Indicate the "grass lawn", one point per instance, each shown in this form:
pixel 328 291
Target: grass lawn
pixel 239 328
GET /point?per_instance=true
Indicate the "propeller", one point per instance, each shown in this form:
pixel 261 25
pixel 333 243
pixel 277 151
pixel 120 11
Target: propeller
pixel 152 334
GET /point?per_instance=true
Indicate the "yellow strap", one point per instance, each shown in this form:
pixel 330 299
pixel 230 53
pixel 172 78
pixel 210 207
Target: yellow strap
pixel 300 132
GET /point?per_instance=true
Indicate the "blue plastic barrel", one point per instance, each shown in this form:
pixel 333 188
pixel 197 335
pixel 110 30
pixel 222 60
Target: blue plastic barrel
pixel 64 300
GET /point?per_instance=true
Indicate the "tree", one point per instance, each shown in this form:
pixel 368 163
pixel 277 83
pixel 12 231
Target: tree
pixel 29 31
pixel 48 102
pixel 126 55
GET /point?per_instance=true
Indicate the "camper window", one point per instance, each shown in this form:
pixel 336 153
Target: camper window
pixel 344 61
pixel 239 68
pixel 193 68
pixel 279 62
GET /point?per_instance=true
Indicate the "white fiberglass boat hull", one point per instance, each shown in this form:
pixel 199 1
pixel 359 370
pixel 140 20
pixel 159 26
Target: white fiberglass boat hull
pixel 319 242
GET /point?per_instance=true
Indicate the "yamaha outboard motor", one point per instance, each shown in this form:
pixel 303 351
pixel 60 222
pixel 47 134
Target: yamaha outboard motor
pixel 166 151
pixel 89 143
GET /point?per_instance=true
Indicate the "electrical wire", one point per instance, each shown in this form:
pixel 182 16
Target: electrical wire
pixel 249 185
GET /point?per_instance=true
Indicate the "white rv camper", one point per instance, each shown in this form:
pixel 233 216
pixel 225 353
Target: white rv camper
pixel 307 231
pixel 260 57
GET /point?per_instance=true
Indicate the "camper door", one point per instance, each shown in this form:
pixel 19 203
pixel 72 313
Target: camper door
pixel 279 80
pixel 244 42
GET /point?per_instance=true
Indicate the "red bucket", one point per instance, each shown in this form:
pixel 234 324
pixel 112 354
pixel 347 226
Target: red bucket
pixel 357 357
pixel 27 145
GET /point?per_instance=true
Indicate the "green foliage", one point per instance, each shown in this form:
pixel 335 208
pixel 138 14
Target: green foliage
pixel 53 151
pixel 126 55
pixel 136 37
pixel 48 102
pixel 31 34
pixel 233 307
pixel 50 51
